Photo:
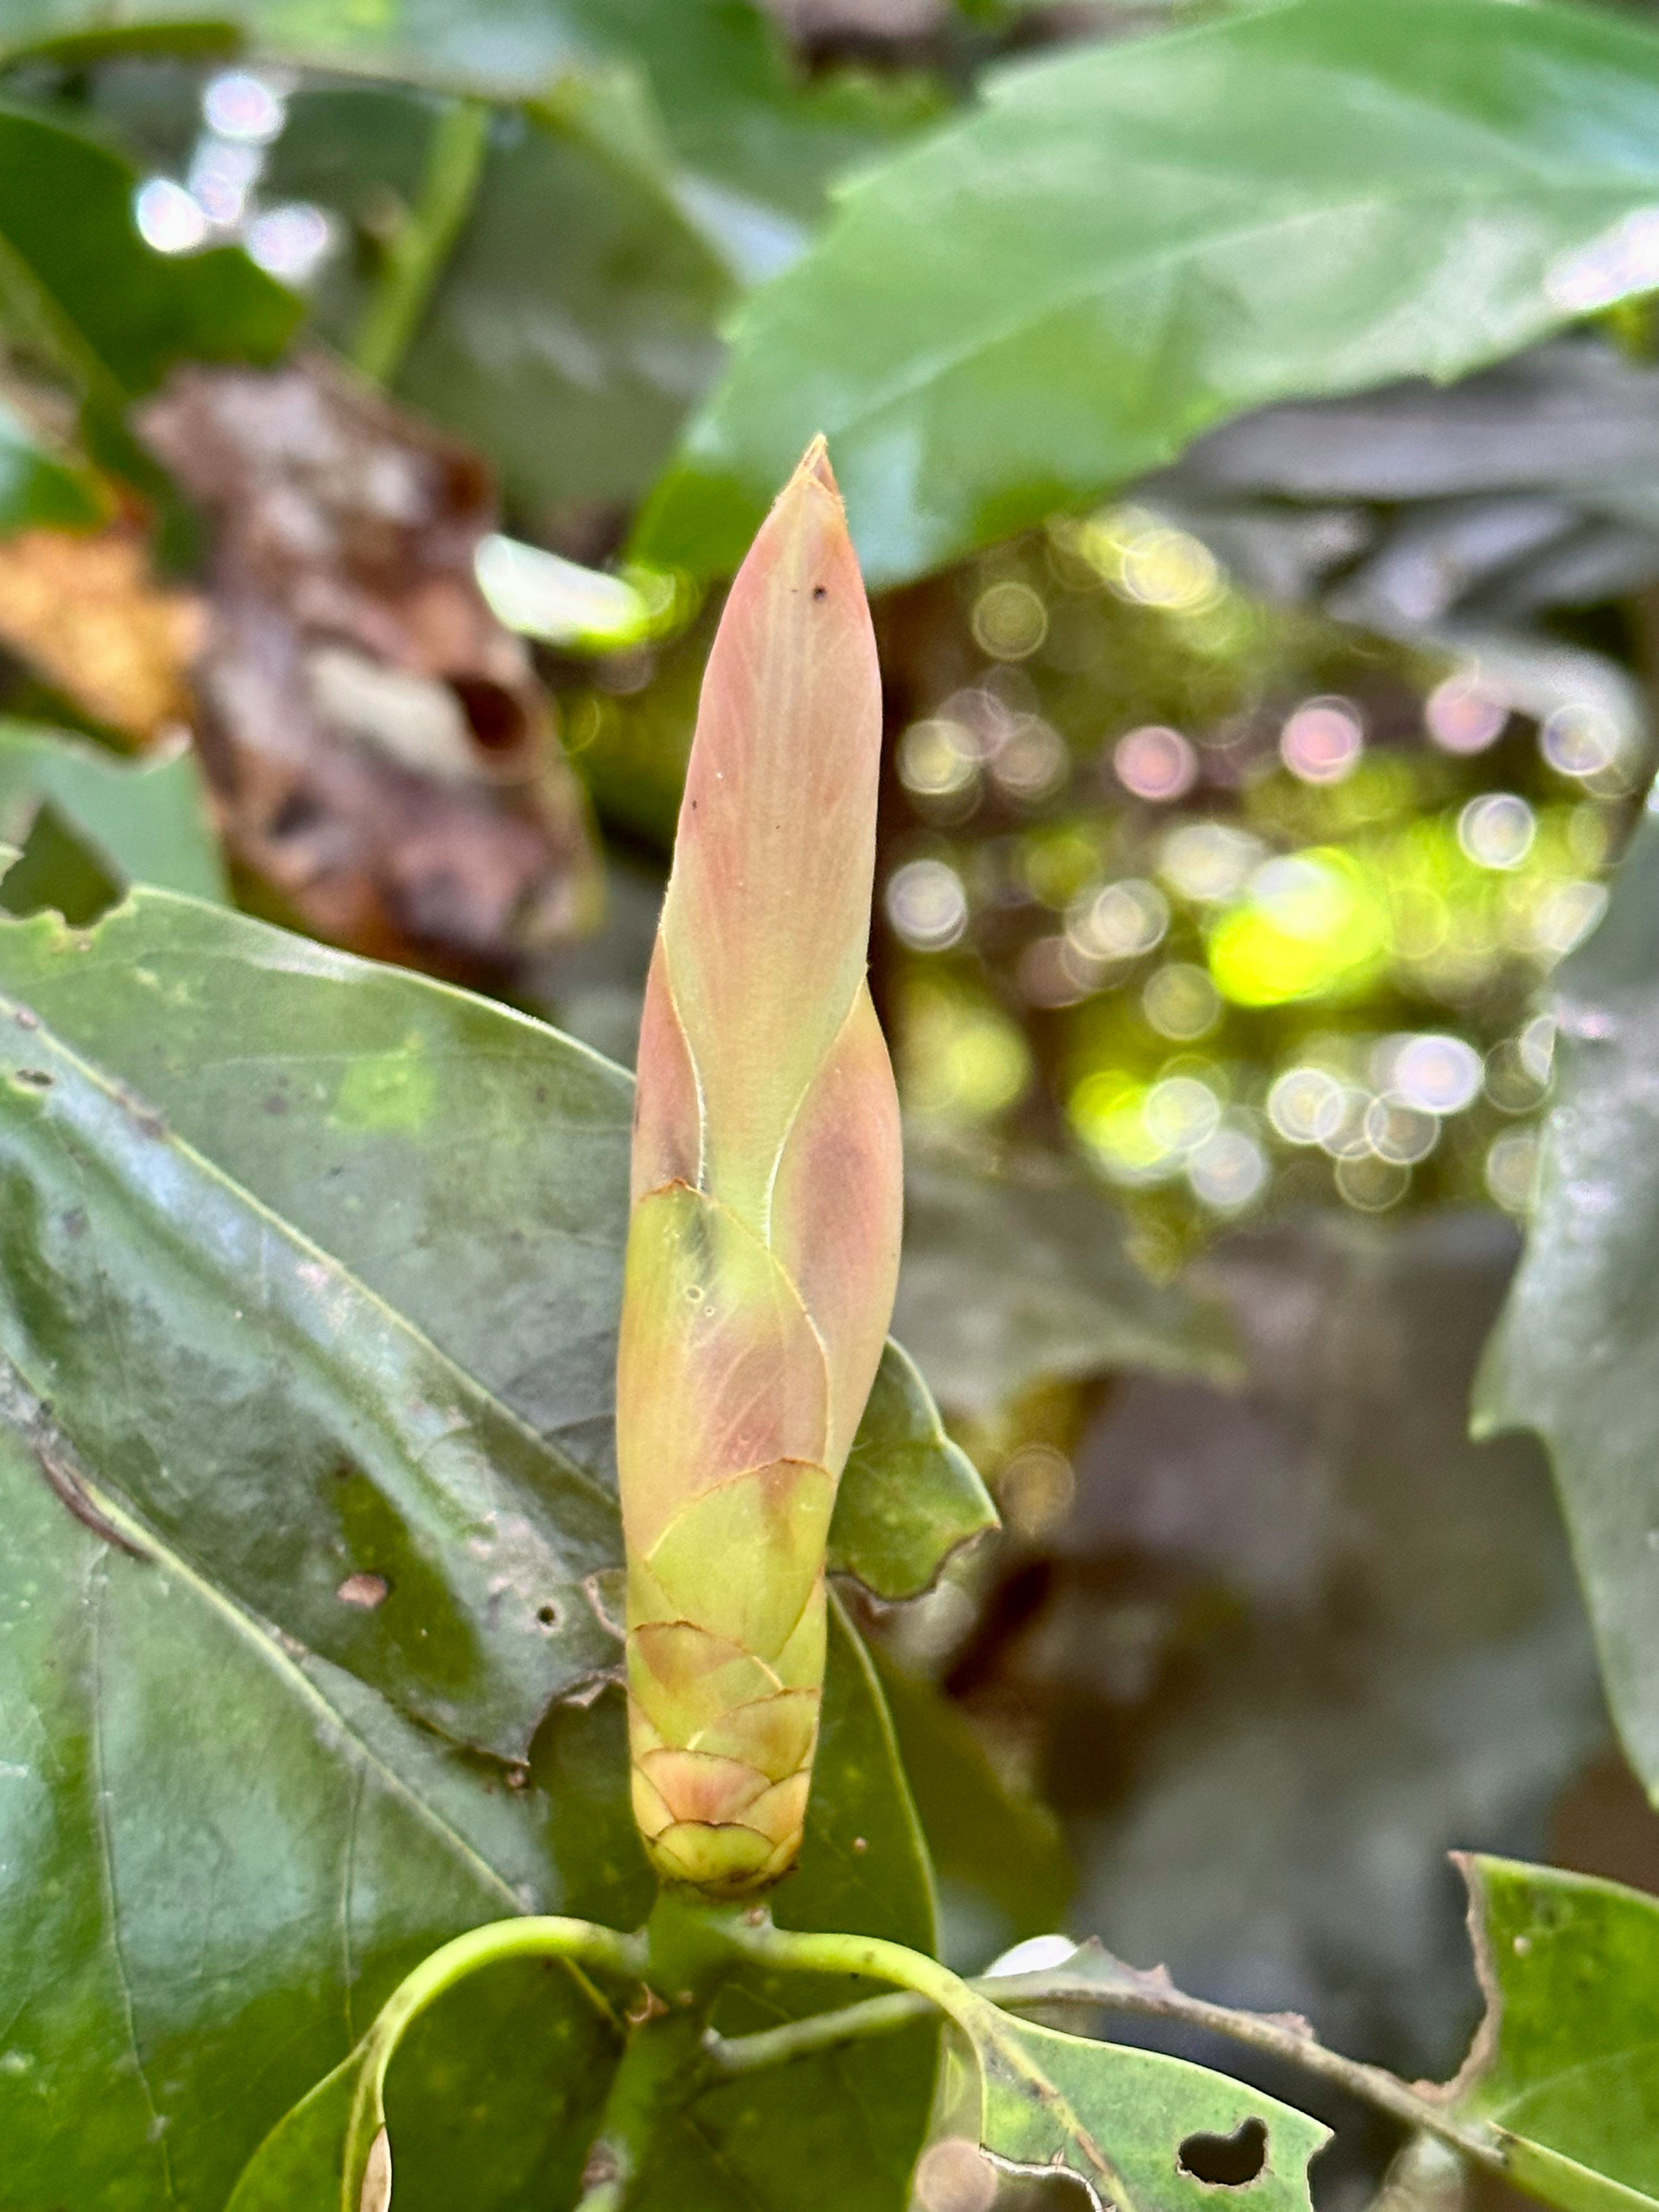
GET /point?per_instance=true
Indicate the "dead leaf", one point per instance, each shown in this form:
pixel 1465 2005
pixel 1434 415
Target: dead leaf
pixel 86 614
pixel 380 749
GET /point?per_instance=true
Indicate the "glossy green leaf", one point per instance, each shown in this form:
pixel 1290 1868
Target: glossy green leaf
pixel 1076 1304
pixel 213 1833
pixel 76 275
pixel 467 1165
pixel 1128 242
pixel 1575 1352
pixel 1564 2074
pixel 221 1854
pixel 910 1496
pixel 1003 1871
pixel 147 821
pixel 42 489
pixel 402 1507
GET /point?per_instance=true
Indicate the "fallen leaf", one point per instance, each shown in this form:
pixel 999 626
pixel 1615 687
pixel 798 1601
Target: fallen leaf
pixel 87 614
pixel 382 753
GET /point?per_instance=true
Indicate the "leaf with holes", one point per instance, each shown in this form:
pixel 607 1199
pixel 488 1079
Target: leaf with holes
pixel 1138 2127
pixel 358 1235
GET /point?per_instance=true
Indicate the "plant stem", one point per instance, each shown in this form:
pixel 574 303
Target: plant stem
pixel 688 1950
pixel 544 1935
pixel 415 255
pixel 926 1985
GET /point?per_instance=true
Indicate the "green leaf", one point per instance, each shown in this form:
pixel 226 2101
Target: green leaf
pixel 1037 2099
pixel 909 1497
pixel 1002 1865
pixel 733 102
pixel 402 1507
pixel 1076 1304
pixel 467 1165
pixel 224 1847
pixel 222 1855
pixel 1127 243
pixel 1575 1352
pixel 575 319
pixel 76 276
pixel 1563 2073
pixel 40 488
pixel 147 821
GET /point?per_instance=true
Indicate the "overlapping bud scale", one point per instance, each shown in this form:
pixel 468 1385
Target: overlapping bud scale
pixel 763 1242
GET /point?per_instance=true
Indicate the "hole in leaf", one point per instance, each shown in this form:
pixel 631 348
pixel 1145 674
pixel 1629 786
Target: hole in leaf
pixel 494 716
pixel 1226 2161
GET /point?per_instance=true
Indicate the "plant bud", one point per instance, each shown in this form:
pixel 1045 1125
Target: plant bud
pixel 763 1242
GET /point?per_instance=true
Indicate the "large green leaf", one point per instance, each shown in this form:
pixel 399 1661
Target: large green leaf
pixel 573 322
pixel 1129 242
pixel 221 1854
pixel 223 1846
pixel 467 1166
pixel 147 821
pixel 1565 2072
pixel 1576 1353
pixel 735 108
pixel 76 277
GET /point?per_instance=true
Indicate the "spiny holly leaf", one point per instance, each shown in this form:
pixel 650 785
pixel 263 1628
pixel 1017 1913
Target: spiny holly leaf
pixel 1564 2073
pixel 1118 2118
pixel 1576 1353
pixel 147 821
pixel 1129 242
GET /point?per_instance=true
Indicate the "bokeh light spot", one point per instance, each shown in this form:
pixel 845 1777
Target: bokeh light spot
pixel 1155 763
pixel 1305 1104
pixel 1322 741
pixel 938 759
pixel 1120 922
pixel 1497 829
pixel 1511 1169
pixel 1009 621
pixel 1209 861
pixel 1463 716
pixel 927 904
pixel 1228 1170
pixel 1437 1074
pixel 1181 1002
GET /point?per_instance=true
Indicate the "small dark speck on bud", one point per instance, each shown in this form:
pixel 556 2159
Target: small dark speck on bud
pixel 859 1843
pixel 820 591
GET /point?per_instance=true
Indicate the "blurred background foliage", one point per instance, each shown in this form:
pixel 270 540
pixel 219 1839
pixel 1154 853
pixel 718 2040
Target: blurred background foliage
pixel 1269 617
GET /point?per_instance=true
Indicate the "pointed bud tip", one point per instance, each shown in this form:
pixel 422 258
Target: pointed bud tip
pixel 814 468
